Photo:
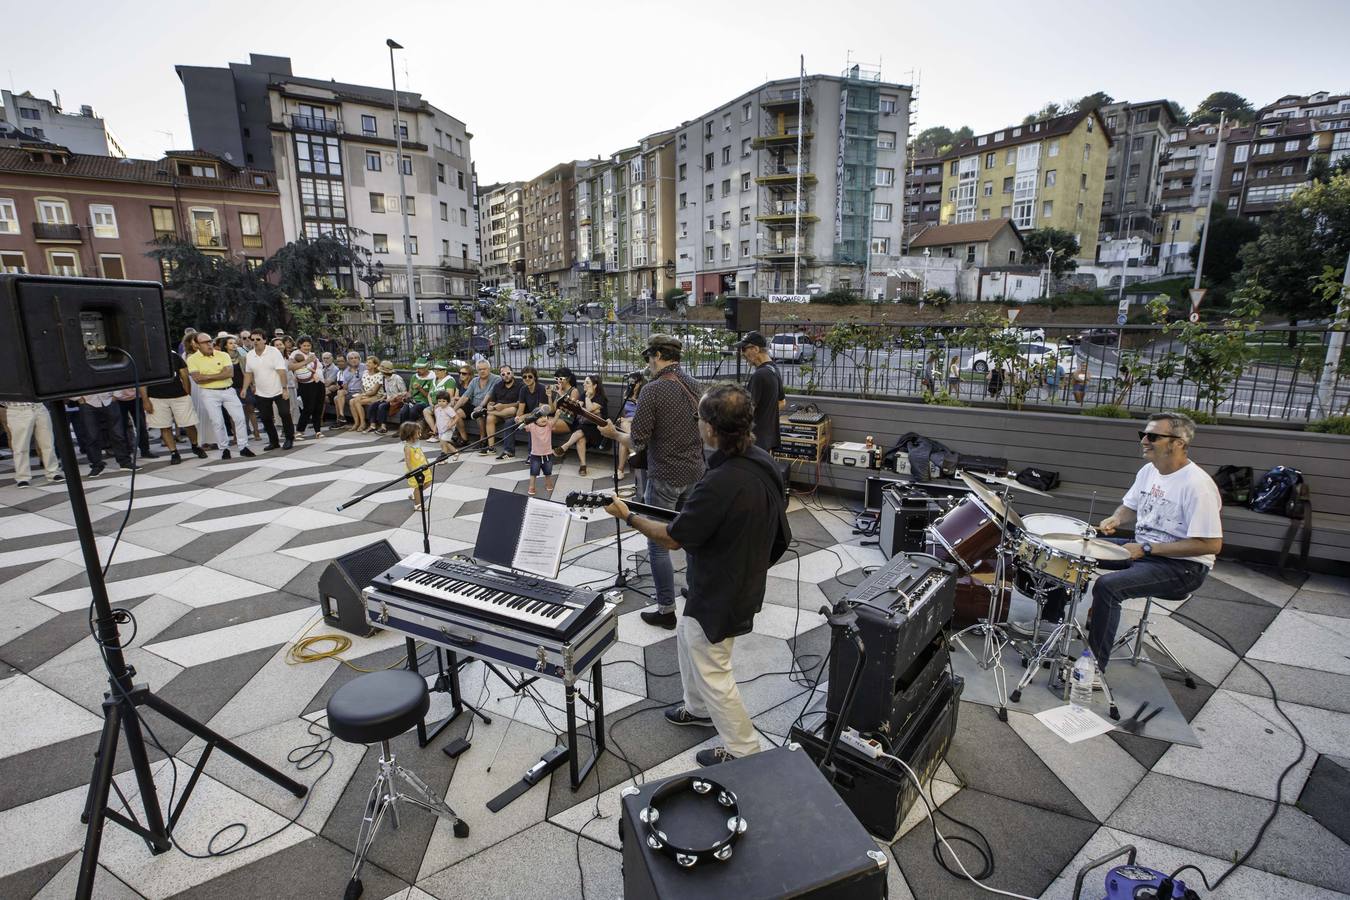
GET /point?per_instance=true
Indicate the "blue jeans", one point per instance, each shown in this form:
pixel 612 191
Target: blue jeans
pixel 667 496
pixel 508 436
pixel 1152 576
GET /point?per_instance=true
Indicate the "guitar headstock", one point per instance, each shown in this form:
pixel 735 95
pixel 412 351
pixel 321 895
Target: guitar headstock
pixel 586 505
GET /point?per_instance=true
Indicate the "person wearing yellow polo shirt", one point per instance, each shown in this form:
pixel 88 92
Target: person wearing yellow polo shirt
pixel 213 371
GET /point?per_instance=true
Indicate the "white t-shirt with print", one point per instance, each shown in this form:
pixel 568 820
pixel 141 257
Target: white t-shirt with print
pixel 1174 507
pixel 266 381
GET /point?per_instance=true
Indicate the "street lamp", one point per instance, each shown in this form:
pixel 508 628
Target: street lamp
pixel 411 302
pixel 1049 269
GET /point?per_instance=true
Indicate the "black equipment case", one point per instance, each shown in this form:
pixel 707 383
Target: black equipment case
pixel 801 840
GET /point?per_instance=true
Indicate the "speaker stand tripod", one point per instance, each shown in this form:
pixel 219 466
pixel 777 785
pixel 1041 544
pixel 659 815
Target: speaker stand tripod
pixel 120 713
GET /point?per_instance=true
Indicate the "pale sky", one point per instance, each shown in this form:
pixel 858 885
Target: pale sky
pixel 541 82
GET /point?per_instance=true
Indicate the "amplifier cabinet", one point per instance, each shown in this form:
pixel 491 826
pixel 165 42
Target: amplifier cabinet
pixel 801 841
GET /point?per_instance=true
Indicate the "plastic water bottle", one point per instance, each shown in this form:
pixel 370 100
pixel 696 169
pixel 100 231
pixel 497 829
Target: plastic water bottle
pixel 1080 681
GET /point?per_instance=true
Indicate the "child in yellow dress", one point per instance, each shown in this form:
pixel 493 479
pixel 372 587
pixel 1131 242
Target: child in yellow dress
pixel 410 434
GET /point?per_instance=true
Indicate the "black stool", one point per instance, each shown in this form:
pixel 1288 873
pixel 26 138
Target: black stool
pixel 1140 633
pixel 379 706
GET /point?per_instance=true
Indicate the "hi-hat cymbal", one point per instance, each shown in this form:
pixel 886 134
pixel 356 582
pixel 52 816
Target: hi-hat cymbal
pixel 1086 547
pixel 1007 482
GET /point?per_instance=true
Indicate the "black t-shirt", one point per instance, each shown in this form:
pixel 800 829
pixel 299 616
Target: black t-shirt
pixel 727 527
pixel 533 398
pixel 168 390
pixel 503 393
pixel 766 389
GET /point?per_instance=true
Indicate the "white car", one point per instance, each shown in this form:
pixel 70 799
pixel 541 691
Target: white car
pixel 796 346
pixel 1025 335
pixel 1031 354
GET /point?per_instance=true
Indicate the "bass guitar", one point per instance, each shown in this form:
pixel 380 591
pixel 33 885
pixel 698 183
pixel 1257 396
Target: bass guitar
pixel 586 505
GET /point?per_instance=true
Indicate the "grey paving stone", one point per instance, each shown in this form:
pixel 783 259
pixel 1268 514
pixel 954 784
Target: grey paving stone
pixel 31 880
pixel 314 868
pixel 538 864
pixel 1310 687
pixel 1319 602
pixel 1238 623
pixel 1326 795
pixel 53 637
pixel 232 612
pixel 201 691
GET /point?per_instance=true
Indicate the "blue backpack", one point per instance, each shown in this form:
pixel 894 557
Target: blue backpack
pixel 1276 490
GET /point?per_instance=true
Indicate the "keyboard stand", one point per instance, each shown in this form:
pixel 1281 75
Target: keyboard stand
pixel 447 681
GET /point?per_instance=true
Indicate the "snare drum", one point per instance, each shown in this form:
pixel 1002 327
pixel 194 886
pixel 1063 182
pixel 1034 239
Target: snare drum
pixel 966 534
pixel 1036 558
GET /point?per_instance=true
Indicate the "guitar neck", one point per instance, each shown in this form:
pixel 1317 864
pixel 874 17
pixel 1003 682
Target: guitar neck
pixel 573 406
pixel 652 512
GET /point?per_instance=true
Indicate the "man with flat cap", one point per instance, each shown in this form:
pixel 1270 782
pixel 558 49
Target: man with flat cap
pixel 765 387
pixel 666 424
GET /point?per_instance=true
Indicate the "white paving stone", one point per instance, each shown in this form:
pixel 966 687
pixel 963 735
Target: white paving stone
pixel 38 716
pixel 126 589
pixel 232 640
pixel 1309 640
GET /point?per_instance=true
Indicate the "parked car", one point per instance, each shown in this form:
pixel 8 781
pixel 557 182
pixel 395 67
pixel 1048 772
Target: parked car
pixel 474 344
pixel 520 338
pixel 1102 337
pixel 1025 335
pixel 795 346
pixel 1031 355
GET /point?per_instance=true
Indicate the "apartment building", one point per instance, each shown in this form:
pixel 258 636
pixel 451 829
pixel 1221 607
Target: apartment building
pixel 1131 209
pixel 923 195
pixel 24 116
pixel 1046 174
pixel 501 210
pixel 1264 164
pixel 334 149
pixel 626 222
pixel 1187 179
pixel 64 213
pixel 550 218
pixel 795 185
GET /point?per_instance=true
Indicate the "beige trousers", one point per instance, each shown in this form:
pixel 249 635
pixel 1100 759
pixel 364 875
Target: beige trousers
pixel 710 686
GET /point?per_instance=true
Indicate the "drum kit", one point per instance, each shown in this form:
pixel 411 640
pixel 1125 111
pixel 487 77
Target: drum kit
pixel 1048 557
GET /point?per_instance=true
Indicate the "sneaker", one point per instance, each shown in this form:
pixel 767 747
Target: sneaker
pixel 267 447
pixel 225 454
pixel 246 452
pixel 485 452
pixel 680 715
pixel 505 455
pixel 712 756
pixel 287 444
pixel 149 454
pixel 22 483
pixel 56 479
pixel 175 458
pixel 129 466
pixel 655 617
pixel 95 471
pixel 199 452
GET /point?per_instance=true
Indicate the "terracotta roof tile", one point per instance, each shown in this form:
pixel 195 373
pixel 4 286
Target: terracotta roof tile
pixel 143 171
pixel 964 233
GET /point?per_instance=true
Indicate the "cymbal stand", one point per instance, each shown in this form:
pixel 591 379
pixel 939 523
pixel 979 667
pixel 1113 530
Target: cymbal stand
pixel 995 637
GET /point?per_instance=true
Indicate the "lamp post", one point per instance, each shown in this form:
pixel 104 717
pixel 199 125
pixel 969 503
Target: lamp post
pixel 411 302
pixel 1049 269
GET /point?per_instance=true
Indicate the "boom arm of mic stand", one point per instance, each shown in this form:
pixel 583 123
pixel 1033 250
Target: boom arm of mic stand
pixel 411 473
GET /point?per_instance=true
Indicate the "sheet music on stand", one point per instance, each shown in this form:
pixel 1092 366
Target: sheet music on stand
pixel 522 533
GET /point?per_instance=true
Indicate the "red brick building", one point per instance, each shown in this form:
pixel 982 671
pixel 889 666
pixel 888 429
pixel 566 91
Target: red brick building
pixel 64 213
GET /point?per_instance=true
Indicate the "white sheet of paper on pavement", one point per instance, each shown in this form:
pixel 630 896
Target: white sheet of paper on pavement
pixel 1074 723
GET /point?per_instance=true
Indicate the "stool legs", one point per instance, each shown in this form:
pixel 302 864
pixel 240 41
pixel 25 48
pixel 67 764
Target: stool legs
pixel 1141 631
pixel 385 795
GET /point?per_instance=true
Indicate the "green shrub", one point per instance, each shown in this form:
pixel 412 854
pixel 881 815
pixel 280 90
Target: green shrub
pixel 1199 416
pixel 1331 425
pixel 943 398
pixel 837 298
pixel 1108 411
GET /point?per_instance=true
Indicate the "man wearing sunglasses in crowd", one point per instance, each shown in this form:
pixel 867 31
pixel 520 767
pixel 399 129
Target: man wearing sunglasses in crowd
pixel 1173 507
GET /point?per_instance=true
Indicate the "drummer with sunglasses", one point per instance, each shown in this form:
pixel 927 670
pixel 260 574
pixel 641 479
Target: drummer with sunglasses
pixel 1173 507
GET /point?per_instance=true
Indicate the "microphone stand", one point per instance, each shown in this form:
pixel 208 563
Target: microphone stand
pixel 447 661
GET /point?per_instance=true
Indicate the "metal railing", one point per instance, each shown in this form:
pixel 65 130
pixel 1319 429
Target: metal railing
pixel 1066 368
pixel 56 231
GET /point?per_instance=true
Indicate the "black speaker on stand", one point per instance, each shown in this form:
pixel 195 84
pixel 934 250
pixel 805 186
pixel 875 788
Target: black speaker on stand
pixel 62 337
pixel 341 584
pixel 742 314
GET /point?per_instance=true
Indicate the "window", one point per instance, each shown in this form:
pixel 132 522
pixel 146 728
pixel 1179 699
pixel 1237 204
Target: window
pixel 9 216
pixel 12 262
pixel 161 219
pixel 982 140
pixel 708 162
pixel 1237 177
pixel 412 245
pixel 745 249
pixel 726 220
pixel 989 159
pixel 192 170
pixel 104 220
pixel 410 204
pixel 464 217
pixel 1137 143
pixel 885 177
pixel 1047 209
pixel 745 181
pixel 887 105
pixel 1082 182
pixel 1050 176
pixel 726 187
pixel 881 246
pixel 1004 212
pixel 1233 202
pixel 1240 153
pixel 951 193
pixel 62 262
pixel 745 215
pixel 445 211
pixel 881 212
pixel 1134 170
pixel 440 172
pixel 206 226
pixel 709 255
pixel 1053 149
pixel 322 199
pixel 1286 170
pixel 1008 185
pixel 970 253
pixel 53 212
pixel 368 126
pixel 726 252
pixel 373 163
pixel 1087 150
pixel 380 243
pixel 745 147
pixel 1011 158
pixel 1079 214
pixel 26 112
pixel 250 230
pixel 407 165
pixel 445 248
pixel 318 155
pixel 377 202
pixel 684 201
pixel 726 156
pixel 885 140
pixel 1263 172
pixel 683 171
pixel 403 128
pixel 984 215
pixel 1291 146
pixel 112 267
pixel 708 192
pixel 1265 147
pixel 955 167
pixel 988 189
pixel 459 179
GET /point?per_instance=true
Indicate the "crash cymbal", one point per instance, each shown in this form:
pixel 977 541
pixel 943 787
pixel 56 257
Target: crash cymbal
pixel 991 501
pixel 1007 482
pixel 1086 547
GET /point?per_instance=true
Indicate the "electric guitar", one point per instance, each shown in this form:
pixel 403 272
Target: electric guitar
pixel 574 407
pixel 586 505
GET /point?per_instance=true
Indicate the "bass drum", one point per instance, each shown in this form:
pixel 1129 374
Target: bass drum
pixel 972 597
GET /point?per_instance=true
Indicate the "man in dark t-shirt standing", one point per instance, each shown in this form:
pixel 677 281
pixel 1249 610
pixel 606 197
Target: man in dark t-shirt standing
pixel 168 406
pixel 765 387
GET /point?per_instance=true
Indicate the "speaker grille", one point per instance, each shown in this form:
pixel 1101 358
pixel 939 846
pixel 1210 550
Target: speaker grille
pixel 362 565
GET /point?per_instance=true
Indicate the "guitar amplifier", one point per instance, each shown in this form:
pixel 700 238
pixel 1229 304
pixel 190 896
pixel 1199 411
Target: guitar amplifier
pixel 800 841
pixel 906 513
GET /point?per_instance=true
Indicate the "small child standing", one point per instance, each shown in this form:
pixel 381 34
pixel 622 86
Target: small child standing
pixel 410 433
pixel 541 450
pixel 444 414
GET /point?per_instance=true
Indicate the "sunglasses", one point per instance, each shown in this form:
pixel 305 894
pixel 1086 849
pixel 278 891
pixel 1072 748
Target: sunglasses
pixel 465 372
pixel 528 377
pixel 1153 437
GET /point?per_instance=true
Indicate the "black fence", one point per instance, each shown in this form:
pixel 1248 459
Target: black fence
pixel 1271 373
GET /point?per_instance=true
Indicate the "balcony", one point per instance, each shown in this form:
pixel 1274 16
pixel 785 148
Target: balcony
pixel 51 231
pixel 787 136
pixel 785 176
pixel 461 263
pixel 208 241
pixel 785 215
pixel 313 123
pixel 784 98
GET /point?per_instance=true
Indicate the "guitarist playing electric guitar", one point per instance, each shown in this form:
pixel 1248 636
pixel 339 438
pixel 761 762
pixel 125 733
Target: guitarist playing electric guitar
pixel 732 527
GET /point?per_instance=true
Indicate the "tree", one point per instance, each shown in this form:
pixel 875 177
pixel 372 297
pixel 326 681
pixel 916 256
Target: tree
pixel 939 139
pixel 1178 112
pixel 1088 102
pixel 1064 243
pixel 1320 170
pixel 303 268
pixel 1228 234
pixel 1048 111
pixel 1238 108
pixel 1297 243
pixel 211 292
